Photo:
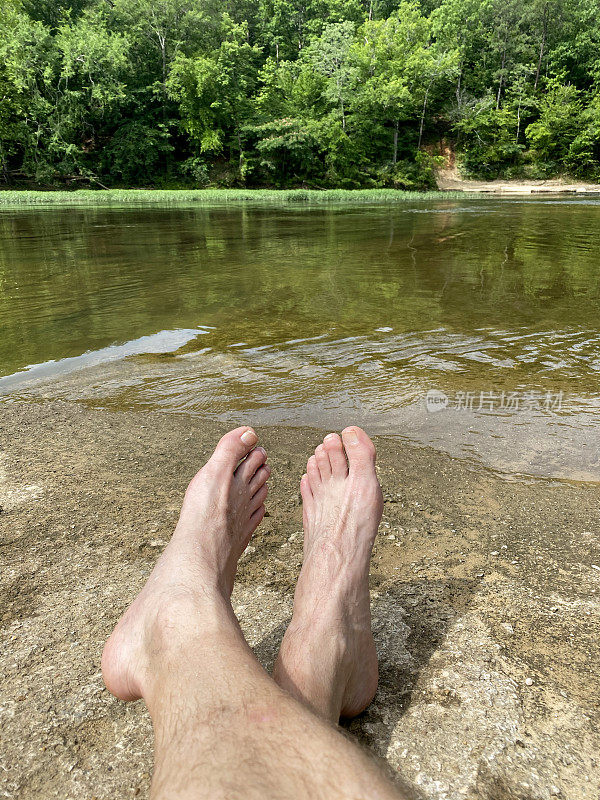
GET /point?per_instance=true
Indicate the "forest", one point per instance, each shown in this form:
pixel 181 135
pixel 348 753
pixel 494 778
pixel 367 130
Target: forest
pixel 296 93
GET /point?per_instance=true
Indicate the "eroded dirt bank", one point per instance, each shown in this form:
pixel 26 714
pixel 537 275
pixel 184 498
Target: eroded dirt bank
pixel 485 601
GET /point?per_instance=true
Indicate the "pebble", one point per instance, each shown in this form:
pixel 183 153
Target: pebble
pixel 528 682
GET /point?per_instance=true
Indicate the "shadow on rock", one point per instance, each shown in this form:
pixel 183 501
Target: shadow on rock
pixel 410 622
pixel 268 647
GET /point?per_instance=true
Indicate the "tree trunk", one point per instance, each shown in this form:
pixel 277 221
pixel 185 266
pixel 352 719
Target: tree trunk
pixel 423 117
pixel 501 78
pixel 542 46
pixel 241 155
pixel 395 153
pixel 163 52
pixel 3 161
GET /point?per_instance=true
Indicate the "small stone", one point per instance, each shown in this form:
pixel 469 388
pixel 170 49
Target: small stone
pixel 528 682
pixel 494 553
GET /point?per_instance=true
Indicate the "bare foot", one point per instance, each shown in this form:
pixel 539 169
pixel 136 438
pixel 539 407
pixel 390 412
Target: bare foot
pixel 327 658
pixel 192 581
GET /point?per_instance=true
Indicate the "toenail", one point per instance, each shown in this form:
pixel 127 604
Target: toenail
pixel 351 437
pixel 330 436
pixel 249 437
pixel 262 450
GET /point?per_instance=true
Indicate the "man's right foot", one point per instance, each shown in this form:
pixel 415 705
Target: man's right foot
pixel 188 592
pixel 327 658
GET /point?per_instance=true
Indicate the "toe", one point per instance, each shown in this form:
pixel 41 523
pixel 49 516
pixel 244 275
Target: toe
pixel 307 498
pixel 259 479
pixel 335 450
pixel 323 462
pixel 359 449
pixel 259 498
pixel 234 446
pixel 253 461
pixel 255 520
pixel 305 490
pixel 314 476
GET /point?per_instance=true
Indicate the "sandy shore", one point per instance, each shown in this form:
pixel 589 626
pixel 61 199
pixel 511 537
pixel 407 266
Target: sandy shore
pixel 484 598
pixel 449 181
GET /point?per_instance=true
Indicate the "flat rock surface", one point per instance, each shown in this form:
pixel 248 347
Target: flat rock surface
pixel 484 590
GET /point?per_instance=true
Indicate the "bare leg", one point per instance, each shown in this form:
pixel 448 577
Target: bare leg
pixel 223 728
pixel 327 657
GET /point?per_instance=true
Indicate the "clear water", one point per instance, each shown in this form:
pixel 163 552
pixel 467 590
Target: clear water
pixel 321 316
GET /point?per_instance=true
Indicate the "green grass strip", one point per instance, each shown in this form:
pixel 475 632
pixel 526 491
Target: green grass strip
pixel 92 197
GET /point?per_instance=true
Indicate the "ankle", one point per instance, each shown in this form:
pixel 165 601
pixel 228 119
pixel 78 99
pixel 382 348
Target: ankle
pixel 185 616
pixel 313 667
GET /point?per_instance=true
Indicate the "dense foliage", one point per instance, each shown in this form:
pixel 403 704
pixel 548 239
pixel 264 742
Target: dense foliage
pixel 318 93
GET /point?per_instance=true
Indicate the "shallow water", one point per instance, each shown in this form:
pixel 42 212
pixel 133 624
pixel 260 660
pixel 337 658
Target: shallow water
pixel 322 316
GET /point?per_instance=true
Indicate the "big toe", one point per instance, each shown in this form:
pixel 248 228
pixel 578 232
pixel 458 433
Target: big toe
pixel 359 449
pixel 232 447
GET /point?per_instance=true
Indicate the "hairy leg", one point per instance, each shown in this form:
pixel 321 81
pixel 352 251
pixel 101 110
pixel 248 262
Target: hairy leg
pixel 223 728
pixel 327 657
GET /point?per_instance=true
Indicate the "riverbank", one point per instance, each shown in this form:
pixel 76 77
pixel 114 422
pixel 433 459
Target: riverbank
pixel 84 197
pixel 450 186
pixel 484 600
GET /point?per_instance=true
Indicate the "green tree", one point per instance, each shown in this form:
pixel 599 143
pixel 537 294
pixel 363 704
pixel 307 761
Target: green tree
pixel 329 56
pixel 214 92
pixel 26 72
pixel 559 123
pixel 287 92
pixel 583 158
pixel 399 67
